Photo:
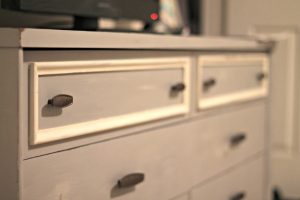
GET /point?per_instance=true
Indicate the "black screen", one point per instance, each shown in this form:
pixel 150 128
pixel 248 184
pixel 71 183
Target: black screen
pixel 129 9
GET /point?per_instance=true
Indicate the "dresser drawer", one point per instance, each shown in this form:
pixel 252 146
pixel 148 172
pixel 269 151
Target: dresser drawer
pixel 173 159
pixel 182 197
pixel 77 98
pixel 228 139
pixel 224 79
pixel 244 183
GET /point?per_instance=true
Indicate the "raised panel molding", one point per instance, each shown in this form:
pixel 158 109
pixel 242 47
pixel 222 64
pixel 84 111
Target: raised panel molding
pixel 38 69
pixel 221 61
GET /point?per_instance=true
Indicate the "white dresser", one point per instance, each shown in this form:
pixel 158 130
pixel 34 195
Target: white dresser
pixel 99 116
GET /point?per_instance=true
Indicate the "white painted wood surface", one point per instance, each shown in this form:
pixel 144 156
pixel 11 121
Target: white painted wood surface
pixel 42 38
pixel 67 55
pixel 182 197
pixel 248 179
pixel 10 159
pixel 173 158
pixel 76 170
pixel 278 20
pixel 284 108
pixel 226 80
pixel 38 69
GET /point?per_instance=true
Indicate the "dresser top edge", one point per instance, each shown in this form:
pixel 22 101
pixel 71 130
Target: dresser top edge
pixel 70 39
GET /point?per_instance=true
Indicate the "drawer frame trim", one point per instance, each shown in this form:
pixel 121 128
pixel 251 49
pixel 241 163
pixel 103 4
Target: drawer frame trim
pixel 38 69
pixel 234 97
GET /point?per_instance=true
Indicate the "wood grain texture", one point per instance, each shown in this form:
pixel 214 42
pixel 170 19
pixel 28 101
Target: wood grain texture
pixel 9 123
pixel 235 77
pixel 84 55
pixel 157 104
pixel 173 158
pixel 106 94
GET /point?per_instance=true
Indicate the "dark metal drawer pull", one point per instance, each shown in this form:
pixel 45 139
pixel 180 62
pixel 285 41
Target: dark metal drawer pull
pixel 131 180
pixel 61 101
pixel 237 139
pixel 261 76
pixel 209 83
pixel 179 87
pixel 238 196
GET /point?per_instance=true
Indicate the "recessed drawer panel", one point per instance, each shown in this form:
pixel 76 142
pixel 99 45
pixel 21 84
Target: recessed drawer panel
pixel 78 98
pixel 224 79
pixel 244 183
pixel 172 159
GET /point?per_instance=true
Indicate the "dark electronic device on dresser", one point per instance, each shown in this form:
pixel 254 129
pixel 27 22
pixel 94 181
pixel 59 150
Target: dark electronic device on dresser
pixel 87 12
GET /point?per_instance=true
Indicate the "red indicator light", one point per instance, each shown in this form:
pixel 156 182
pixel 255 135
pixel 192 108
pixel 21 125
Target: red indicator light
pixel 154 16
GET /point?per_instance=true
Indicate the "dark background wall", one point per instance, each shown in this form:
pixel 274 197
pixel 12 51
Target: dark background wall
pixel 18 19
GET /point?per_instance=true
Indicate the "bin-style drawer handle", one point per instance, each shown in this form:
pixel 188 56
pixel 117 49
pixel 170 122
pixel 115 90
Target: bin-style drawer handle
pixel 131 180
pixel 209 83
pixel 61 101
pixel 238 139
pixel 238 196
pixel 179 87
pixel 261 76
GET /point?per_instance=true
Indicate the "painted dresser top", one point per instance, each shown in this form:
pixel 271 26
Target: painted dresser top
pixel 46 38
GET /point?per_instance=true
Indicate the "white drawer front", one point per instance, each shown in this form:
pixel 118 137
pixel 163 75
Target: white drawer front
pixel 173 159
pixel 95 96
pixel 182 197
pixel 224 79
pixel 244 183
